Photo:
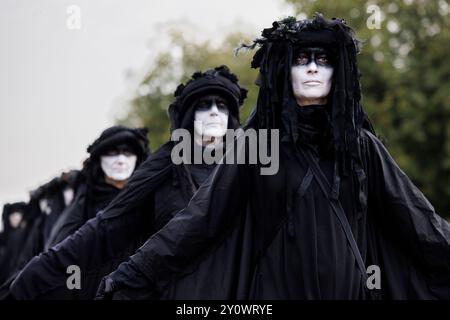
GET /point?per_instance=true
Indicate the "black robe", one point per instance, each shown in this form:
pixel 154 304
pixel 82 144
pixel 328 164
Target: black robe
pixel 248 236
pixel 155 193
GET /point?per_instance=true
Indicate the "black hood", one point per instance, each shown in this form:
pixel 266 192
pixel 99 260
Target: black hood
pixel 218 80
pixel 113 136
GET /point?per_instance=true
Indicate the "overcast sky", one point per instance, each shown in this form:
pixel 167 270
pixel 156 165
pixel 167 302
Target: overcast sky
pixel 60 87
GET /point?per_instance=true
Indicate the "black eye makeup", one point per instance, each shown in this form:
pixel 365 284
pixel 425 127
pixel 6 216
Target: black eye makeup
pixel 205 103
pixel 125 150
pixel 320 56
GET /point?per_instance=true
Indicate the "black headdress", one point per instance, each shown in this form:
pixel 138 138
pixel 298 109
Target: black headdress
pixel 276 103
pixel 113 136
pixel 136 138
pixel 218 80
pixel 98 191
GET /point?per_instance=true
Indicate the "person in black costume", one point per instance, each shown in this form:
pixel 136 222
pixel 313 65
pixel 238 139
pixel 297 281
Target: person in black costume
pixel 338 206
pixel 155 193
pixel 16 220
pixel 125 149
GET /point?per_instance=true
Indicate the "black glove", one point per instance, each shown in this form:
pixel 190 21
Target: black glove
pixel 106 288
pixel 126 283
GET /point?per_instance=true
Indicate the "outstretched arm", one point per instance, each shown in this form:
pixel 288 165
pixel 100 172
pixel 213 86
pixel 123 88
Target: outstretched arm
pixel 405 215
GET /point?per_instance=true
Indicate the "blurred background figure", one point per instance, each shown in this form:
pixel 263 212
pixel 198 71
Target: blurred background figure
pixel 16 218
pixel 114 156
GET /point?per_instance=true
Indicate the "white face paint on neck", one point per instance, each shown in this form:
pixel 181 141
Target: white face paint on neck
pixel 311 79
pixel 15 219
pixel 118 167
pixel 210 121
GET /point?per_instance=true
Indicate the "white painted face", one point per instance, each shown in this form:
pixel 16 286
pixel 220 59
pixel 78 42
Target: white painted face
pixel 210 120
pixel 68 194
pixel 44 206
pixel 311 75
pixel 15 219
pixel 118 166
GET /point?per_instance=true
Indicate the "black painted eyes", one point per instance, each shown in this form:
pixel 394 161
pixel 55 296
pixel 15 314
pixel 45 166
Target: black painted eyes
pixel 305 58
pixel 205 104
pixel 116 152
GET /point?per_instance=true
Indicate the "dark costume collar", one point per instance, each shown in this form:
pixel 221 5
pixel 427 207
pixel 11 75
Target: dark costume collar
pixel 99 195
pixel 314 127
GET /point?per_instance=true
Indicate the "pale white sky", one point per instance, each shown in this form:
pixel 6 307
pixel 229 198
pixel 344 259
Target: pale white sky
pixel 59 88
